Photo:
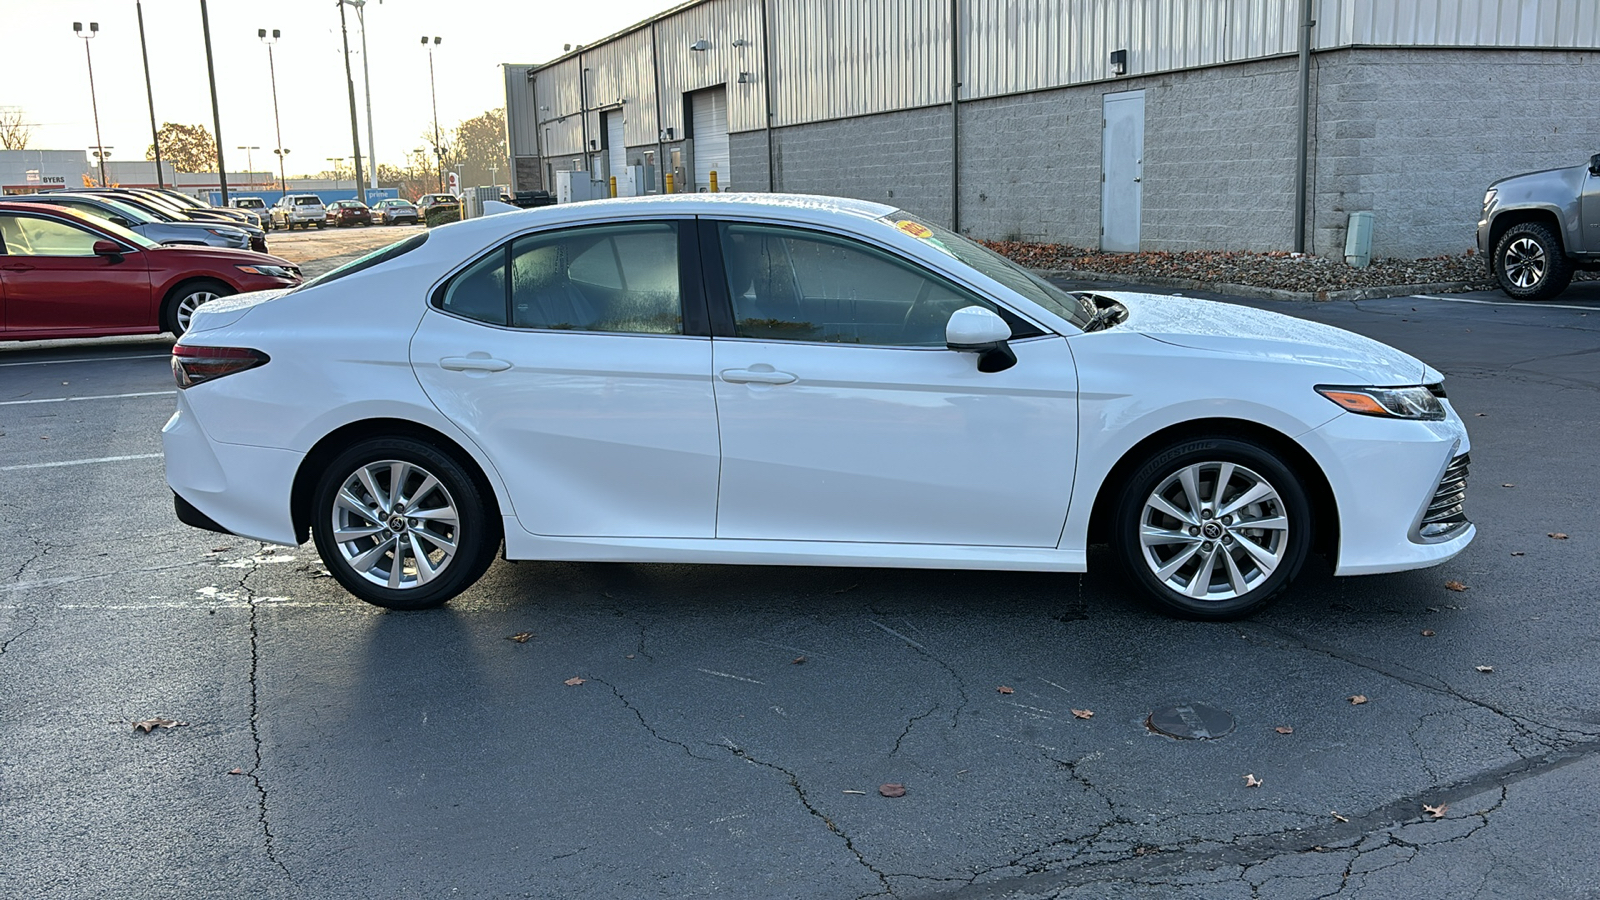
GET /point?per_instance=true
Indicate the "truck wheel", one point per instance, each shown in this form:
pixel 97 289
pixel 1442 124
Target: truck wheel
pixel 1530 263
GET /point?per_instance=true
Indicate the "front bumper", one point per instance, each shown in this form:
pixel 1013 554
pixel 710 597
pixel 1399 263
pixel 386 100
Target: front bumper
pixel 1386 475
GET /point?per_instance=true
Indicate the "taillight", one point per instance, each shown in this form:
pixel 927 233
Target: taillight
pixel 193 365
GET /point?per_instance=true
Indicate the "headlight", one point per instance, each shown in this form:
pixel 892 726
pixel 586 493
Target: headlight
pixel 1418 402
pixel 1488 198
pixel 269 271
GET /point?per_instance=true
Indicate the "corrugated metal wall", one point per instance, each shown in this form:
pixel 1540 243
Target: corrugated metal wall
pixel 837 58
pixel 521 109
pixel 559 108
pixel 840 58
pixel 1459 23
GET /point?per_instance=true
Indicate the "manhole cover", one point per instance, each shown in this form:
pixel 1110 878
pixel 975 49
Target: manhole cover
pixel 1191 721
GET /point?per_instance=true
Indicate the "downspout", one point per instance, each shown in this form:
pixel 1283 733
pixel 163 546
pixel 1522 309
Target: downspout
pixel 766 83
pixel 1301 162
pixel 583 113
pixel 955 117
pixel 538 146
pixel 655 81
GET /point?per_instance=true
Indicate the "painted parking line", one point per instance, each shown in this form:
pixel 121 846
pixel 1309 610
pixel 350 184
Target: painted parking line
pixel 1518 304
pixel 59 362
pixel 92 397
pixel 80 462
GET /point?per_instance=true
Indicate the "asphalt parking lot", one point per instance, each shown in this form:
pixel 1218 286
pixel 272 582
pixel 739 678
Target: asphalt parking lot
pixel 681 731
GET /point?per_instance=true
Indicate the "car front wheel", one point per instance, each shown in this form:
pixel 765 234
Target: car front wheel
pixel 1213 527
pixel 180 305
pixel 1530 264
pixel 402 525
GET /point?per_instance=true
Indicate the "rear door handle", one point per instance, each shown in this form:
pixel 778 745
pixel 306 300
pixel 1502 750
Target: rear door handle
pixel 473 364
pixel 761 374
pixel 17 267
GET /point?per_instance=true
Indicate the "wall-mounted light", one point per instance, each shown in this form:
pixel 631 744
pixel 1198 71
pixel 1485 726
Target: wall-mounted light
pixel 1119 62
pixel 746 78
pixel 594 145
pixel 701 45
pixel 666 134
pixel 740 42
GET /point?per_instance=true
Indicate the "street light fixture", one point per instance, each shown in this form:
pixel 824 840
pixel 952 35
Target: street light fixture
pixel 438 154
pixel 101 155
pixel 272 70
pixel 94 29
pixel 249 161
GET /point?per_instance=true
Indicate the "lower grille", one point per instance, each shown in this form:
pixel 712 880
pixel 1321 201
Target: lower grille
pixel 1446 512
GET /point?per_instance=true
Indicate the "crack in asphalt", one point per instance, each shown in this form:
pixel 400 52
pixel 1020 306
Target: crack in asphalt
pixel 794 783
pixel 1247 851
pixel 33 623
pixel 255 712
pixel 961 683
pixel 43 549
pixel 638 714
pixel 911 723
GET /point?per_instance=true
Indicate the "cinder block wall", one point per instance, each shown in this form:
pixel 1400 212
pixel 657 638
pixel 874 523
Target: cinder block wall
pixel 899 158
pixel 747 155
pixel 1030 167
pixel 1416 136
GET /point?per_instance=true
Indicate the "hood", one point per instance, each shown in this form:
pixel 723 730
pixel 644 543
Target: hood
pixel 1243 331
pixel 222 255
pixel 228 310
pixel 1564 173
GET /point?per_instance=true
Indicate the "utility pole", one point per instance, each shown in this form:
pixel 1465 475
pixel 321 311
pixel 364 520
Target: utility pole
pixel 350 85
pixel 149 94
pixel 216 116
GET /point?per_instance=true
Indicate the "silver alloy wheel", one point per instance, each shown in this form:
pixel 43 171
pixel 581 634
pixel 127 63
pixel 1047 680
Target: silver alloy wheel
pixel 1213 531
pixel 395 524
pixel 1525 262
pixel 190 302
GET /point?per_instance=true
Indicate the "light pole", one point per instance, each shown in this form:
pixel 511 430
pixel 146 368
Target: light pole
pixel 366 80
pixel 216 114
pixel 149 95
pixel 102 154
pixel 94 29
pixel 272 70
pixel 249 161
pixel 336 160
pixel 438 155
pixel 350 85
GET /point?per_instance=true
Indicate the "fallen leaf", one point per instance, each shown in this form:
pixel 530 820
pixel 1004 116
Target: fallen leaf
pixel 1484 669
pixel 148 724
pixel 1455 586
pixel 1083 714
pixel 1337 817
pixel 1558 535
pixel 1518 553
pixel 1005 690
pixel 235 771
pixel 798 661
pixel 1358 699
pixel 1427 632
pixel 892 790
pixel 573 682
pixel 1436 811
pixel 1252 781
pixel 1284 729
pixel 521 637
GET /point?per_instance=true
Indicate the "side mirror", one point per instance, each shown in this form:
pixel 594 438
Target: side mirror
pixel 1594 164
pixel 974 329
pixel 109 249
pixel 119 220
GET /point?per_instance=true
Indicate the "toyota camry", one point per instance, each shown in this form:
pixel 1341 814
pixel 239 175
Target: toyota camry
pixel 796 380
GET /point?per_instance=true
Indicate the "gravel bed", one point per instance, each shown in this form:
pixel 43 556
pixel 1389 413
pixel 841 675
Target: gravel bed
pixel 1278 270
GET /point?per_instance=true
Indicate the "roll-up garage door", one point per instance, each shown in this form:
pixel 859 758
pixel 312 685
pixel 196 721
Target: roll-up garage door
pixel 616 147
pixel 709 109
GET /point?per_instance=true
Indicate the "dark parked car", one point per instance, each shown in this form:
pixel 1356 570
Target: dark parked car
pixel 162 231
pixel 1539 228
pixel 429 201
pixel 159 203
pixel 348 212
pixel 394 212
pixel 64 274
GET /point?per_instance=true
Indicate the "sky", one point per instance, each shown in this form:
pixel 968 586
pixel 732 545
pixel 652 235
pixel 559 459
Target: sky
pixel 47 74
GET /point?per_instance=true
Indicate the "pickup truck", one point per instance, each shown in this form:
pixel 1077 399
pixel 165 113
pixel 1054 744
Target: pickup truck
pixel 304 210
pixel 1539 228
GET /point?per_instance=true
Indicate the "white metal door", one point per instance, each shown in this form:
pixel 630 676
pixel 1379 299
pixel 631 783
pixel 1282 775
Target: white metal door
pixel 710 124
pixel 1122 170
pixel 616 151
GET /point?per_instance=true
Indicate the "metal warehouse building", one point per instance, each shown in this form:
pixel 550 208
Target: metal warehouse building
pixel 1122 124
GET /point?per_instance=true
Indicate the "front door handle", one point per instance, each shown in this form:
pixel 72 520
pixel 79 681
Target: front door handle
pixel 473 364
pixel 17 267
pixel 761 374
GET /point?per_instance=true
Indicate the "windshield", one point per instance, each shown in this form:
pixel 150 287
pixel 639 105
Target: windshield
pixel 131 213
pixel 1061 302
pixel 117 231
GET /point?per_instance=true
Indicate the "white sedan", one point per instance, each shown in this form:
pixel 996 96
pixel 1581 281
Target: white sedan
pixel 785 380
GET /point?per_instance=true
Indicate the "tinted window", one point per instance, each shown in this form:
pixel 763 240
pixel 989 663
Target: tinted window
pixel 804 286
pixel 621 278
pixel 479 293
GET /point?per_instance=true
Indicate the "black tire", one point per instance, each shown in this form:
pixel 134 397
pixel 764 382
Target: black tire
pixel 319 226
pixel 1248 465
pixel 1530 263
pixel 181 303
pixel 475 532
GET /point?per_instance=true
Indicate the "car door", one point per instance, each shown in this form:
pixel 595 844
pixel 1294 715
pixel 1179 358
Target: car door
pixel 55 282
pixel 579 360
pixel 844 417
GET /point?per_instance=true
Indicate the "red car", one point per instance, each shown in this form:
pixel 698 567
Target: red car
pixel 63 274
pixel 348 212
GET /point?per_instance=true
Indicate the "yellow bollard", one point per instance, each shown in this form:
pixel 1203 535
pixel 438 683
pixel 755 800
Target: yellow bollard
pixel 713 181
pixel 670 189
pixel 613 185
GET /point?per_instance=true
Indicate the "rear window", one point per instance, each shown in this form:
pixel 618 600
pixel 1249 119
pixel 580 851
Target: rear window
pixel 307 201
pixel 377 257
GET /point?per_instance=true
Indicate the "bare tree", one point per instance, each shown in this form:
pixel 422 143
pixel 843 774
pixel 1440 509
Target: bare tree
pixel 14 133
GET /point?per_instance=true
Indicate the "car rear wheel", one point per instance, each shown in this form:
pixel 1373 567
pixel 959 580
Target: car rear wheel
pixel 401 524
pixel 1530 264
pixel 1213 527
pixel 179 307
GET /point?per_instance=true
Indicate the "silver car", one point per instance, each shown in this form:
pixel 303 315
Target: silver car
pixel 108 209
